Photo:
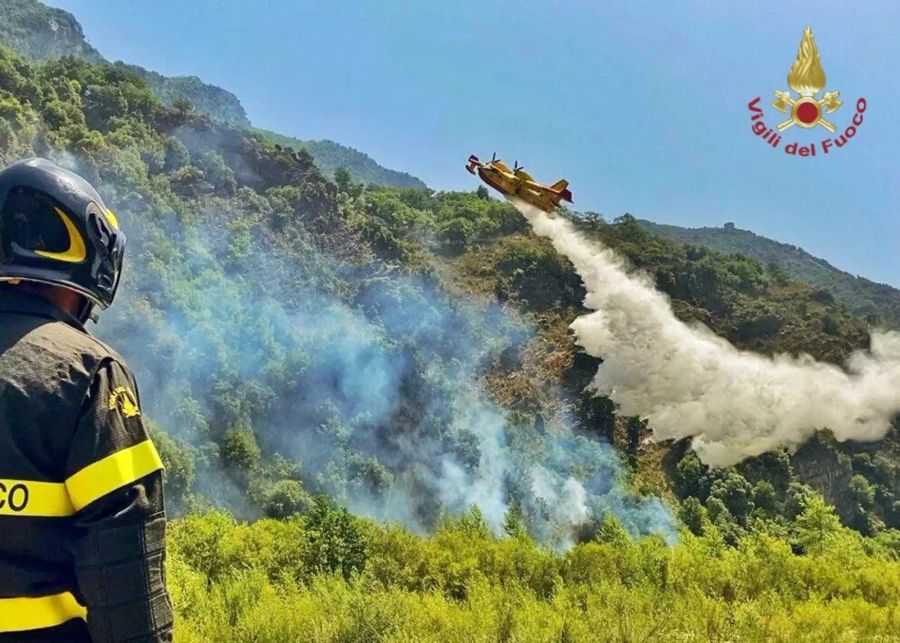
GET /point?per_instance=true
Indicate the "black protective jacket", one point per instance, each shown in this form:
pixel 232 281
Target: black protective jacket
pixel 82 526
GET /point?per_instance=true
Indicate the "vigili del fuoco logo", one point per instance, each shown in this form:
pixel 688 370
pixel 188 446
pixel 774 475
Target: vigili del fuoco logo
pixel 805 108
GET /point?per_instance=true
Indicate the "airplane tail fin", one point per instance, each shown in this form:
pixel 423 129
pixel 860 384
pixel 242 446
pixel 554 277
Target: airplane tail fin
pixel 561 187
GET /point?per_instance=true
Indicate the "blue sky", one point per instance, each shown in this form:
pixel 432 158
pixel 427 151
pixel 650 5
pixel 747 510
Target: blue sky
pixel 641 105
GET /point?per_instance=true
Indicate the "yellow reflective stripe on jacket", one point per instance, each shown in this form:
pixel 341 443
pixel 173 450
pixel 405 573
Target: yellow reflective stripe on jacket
pixel 22 614
pixel 111 473
pixel 32 499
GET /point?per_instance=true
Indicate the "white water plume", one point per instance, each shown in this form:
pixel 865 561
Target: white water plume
pixel 688 382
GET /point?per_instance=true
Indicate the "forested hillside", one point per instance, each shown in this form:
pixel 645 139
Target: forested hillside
pixel 306 344
pixel 42 33
pixel 879 303
pixel 330 156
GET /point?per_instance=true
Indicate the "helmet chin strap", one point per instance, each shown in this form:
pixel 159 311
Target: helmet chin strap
pixel 87 312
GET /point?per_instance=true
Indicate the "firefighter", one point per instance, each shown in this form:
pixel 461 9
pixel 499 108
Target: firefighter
pixel 82 525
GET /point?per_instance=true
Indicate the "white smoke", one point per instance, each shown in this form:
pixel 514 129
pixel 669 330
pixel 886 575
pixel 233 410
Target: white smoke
pixel 688 382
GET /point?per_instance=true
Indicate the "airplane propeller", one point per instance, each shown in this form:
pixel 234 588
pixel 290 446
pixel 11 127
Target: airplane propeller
pixel 493 157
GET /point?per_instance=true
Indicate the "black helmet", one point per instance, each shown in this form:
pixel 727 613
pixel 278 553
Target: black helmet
pixel 55 229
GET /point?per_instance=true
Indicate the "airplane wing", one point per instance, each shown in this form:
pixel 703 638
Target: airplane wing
pixel 560 189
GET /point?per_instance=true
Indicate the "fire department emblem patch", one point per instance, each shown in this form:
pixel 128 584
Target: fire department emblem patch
pixel 125 402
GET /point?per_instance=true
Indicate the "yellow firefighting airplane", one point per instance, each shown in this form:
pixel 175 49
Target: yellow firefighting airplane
pixel 517 182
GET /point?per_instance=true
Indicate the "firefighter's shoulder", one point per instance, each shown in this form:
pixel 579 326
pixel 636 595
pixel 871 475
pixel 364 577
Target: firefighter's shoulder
pixel 60 342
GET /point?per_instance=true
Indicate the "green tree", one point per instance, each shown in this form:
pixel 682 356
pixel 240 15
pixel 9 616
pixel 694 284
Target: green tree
pixel 286 498
pixel 816 525
pixel 611 531
pixel 335 543
pixel 178 475
pixel 693 515
pixel 473 523
pixel 735 492
pixel 239 450
pixel 862 497
pixel 513 522
pixel 691 477
pixel 764 496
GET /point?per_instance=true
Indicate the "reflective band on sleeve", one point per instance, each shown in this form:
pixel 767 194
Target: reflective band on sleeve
pixel 31 499
pixel 22 614
pixel 112 472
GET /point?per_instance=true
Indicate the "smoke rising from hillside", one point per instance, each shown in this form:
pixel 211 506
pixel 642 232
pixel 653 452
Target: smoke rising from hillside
pixel 371 379
pixel 688 382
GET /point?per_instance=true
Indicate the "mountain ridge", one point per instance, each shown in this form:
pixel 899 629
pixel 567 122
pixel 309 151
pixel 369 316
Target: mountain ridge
pixel 878 302
pixel 329 156
pixel 41 32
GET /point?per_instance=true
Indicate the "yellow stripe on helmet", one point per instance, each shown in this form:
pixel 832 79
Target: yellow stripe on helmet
pixel 111 218
pixel 77 251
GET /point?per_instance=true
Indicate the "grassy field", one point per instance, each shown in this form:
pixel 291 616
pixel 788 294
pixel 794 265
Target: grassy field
pixel 305 580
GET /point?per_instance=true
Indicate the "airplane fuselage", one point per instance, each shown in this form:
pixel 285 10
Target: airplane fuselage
pixel 510 185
